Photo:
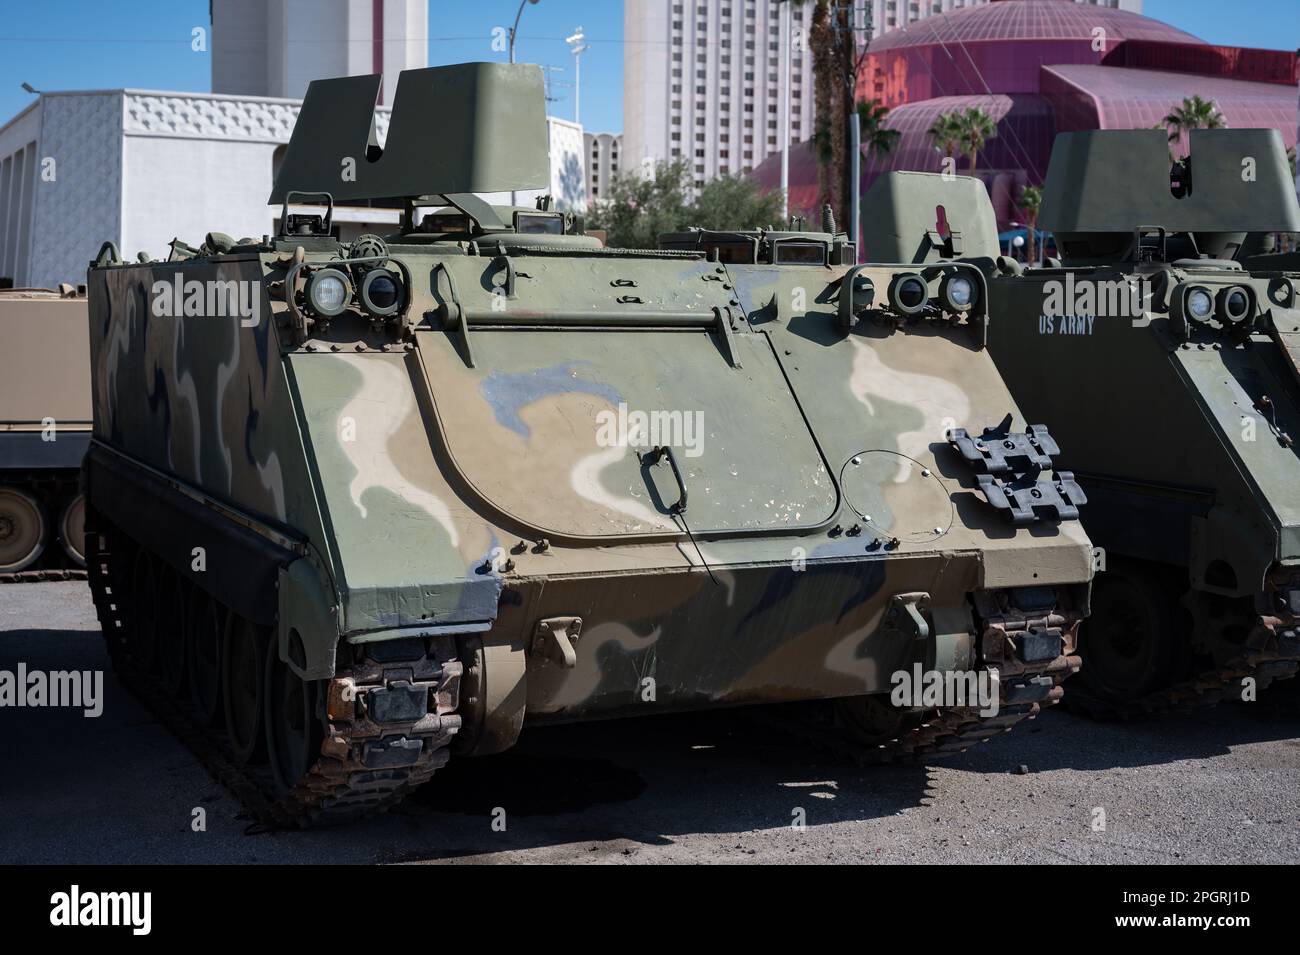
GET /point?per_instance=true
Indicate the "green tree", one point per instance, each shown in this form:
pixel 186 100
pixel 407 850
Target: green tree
pixel 639 208
pixel 734 202
pixel 945 132
pixel 877 140
pixel 1031 200
pixel 976 128
pixel 1192 113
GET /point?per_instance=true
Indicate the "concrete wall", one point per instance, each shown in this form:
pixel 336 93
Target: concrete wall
pixel 81 208
pixel 19 178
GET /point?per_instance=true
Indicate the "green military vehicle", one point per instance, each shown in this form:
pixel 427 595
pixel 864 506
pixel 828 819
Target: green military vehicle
pixel 354 508
pixel 44 432
pixel 1169 373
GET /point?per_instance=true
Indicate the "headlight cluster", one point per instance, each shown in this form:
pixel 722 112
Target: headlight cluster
pixel 909 293
pixel 329 292
pixel 1232 306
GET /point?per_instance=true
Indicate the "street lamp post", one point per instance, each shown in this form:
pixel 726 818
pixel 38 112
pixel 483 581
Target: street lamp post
pixel 515 29
pixel 578 48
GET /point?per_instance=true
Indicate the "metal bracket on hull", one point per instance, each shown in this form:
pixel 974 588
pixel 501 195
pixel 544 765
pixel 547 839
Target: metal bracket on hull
pixel 554 639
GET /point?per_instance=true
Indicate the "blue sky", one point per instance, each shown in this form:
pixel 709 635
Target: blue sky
pixel 106 44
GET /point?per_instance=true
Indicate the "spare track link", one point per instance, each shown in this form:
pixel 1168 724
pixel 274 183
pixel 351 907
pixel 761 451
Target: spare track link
pixel 352 776
pixel 936 734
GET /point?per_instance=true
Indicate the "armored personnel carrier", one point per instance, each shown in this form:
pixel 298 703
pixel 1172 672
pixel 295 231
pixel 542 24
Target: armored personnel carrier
pixel 358 507
pixel 1170 375
pixel 44 431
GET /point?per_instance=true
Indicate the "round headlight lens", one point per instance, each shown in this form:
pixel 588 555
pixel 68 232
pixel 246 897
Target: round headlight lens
pixel 1234 305
pixel 959 292
pixel 381 292
pixel 1200 305
pixel 328 292
pixel 908 294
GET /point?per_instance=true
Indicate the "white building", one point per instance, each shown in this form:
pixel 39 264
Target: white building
pixel 701 78
pixel 602 152
pixel 140 168
pixel 700 82
pixel 888 14
pixel 276 47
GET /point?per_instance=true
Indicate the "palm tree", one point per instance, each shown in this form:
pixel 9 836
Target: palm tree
pixel 945 131
pixel 1192 113
pixel 876 139
pixel 1031 200
pixel 977 127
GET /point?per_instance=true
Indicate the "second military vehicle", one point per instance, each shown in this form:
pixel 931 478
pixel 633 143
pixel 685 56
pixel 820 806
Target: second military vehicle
pixel 44 431
pixel 357 507
pixel 1170 376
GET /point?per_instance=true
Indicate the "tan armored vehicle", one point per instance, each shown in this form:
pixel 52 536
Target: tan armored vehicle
pixel 44 429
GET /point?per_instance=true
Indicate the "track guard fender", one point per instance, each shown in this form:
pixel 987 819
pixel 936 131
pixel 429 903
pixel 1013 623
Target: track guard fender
pixel 309 613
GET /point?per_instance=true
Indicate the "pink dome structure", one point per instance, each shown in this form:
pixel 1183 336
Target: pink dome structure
pixel 1040 67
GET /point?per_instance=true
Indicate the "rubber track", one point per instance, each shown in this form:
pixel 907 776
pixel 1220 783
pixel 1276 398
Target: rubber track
pixel 35 576
pixel 338 787
pixel 1196 693
pixel 939 733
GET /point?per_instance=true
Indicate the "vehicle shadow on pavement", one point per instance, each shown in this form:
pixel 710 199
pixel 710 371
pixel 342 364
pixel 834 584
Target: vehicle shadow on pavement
pixel 120 788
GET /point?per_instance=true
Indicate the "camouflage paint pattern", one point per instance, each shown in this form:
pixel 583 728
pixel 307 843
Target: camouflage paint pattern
pixel 413 476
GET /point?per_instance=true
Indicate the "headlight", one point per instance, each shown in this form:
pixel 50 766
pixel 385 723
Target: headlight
pixel 381 292
pixel 908 293
pixel 1235 305
pixel 1199 303
pixel 957 292
pixel 328 292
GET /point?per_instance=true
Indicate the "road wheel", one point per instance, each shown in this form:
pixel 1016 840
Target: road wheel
pixel 72 529
pixel 1128 641
pixel 293 729
pixel 170 623
pixel 22 530
pixel 204 635
pixel 142 630
pixel 872 720
pixel 243 678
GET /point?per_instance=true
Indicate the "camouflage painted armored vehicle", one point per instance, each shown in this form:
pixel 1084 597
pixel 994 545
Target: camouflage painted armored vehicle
pixel 44 431
pixel 1170 376
pixel 355 508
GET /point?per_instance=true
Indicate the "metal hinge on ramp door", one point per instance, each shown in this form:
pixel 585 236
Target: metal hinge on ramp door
pixel 554 639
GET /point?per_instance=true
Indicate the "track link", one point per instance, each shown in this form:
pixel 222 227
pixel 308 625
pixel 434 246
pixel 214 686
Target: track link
pixel 1206 689
pixel 933 735
pixel 36 576
pixel 387 720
